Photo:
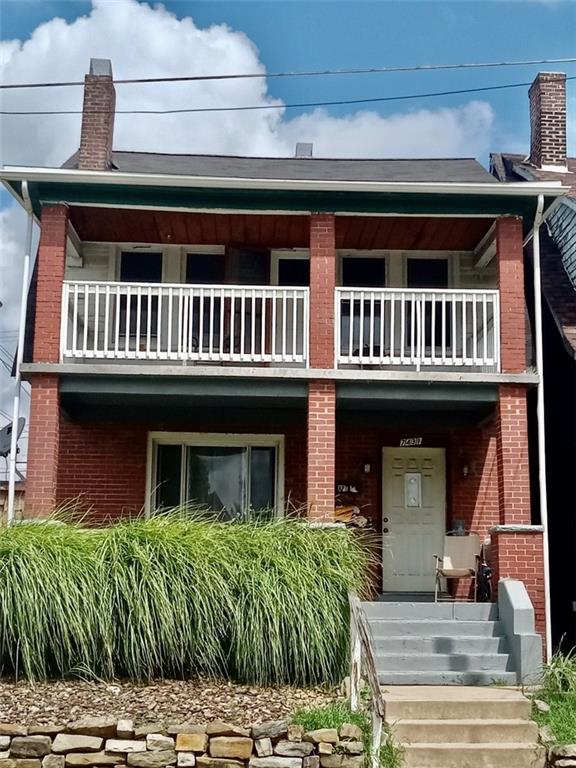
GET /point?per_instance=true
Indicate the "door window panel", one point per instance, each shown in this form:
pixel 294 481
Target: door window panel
pixel 262 478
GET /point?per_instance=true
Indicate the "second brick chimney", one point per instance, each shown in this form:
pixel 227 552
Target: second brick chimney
pixel 547 96
pixel 97 131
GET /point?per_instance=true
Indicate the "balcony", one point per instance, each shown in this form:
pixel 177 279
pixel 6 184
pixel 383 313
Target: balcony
pixel 418 328
pixel 441 329
pixel 184 323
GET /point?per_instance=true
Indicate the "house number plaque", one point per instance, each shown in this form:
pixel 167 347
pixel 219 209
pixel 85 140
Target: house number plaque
pixel 410 442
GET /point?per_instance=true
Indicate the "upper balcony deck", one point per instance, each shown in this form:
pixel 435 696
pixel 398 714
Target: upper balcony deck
pixel 270 325
pixel 273 291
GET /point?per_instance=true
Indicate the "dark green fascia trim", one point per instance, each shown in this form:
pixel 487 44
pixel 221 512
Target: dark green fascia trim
pixel 418 397
pixel 116 387
pixel 355 202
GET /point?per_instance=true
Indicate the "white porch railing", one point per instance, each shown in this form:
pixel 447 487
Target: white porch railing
pixel 439 327
pixel 206 323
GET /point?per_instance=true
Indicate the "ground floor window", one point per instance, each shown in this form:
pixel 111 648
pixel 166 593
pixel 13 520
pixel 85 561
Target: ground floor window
pixel 233 477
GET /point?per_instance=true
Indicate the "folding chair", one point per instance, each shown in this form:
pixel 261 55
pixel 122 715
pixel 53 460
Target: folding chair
pixel 461 560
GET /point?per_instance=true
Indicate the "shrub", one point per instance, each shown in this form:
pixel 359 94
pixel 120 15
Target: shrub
pixel 178 596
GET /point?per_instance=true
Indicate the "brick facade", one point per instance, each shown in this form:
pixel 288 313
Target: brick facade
pixel 50 268
pixel 512 303
pixel 103 465
pixel 43 446
pixel 322 289
pixel 512 456
pixel 97 132
pixel 518 555
pixel 321 449
pixel 547 96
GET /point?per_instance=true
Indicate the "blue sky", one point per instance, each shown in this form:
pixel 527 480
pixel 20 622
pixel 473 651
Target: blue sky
pixel 304 35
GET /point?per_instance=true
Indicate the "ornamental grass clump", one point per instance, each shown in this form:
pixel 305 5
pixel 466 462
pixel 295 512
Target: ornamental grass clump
pixel 178 596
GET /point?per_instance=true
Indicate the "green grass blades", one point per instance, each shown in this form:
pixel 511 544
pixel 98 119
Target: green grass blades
pixel 336 714
pixel 558 690
pixel 178 596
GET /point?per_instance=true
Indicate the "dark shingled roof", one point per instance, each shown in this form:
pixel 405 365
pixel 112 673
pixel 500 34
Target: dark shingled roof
pixel 556 286
pixel 314 169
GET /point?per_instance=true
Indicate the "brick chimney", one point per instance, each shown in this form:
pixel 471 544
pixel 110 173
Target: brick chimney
pixel 97 117
pixel 547 96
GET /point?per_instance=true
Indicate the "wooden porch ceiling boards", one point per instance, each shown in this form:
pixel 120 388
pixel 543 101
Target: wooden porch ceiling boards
pixel 175 228
pixel 424 233
pixel 274 230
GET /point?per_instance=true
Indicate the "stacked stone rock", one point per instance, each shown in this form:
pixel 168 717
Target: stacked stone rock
pixel 563 757
pixel 102 742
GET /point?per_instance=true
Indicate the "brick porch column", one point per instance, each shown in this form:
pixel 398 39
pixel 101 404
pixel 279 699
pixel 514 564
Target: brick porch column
pixel 321 437
pixel 321 449
pixel 510 257
pixel 50 276
pixel 43 446
pixel 517 545
pixel 322 287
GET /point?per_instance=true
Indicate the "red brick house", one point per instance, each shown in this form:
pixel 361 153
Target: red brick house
pixel 548 160
pixel 258 333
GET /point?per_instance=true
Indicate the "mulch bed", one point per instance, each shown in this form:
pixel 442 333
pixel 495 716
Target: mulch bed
pixel 165 700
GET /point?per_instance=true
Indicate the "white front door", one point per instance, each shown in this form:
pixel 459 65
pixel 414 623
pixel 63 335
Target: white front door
pixel 413 517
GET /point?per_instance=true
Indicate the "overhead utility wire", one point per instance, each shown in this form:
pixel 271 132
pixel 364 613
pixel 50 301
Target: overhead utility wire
pixel 304 73
pixel 274 106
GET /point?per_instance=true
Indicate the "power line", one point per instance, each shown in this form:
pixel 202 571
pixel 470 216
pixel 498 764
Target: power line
pixel 343 102
pixel 312 73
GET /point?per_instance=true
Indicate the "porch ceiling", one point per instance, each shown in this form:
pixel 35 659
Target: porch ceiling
pixel 424 233
pixel 175 228
pixel 274 230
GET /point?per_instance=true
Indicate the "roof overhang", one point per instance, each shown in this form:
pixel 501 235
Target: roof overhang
pixel 115 188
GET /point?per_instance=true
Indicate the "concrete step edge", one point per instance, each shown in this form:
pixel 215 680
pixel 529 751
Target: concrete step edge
pixel 462 721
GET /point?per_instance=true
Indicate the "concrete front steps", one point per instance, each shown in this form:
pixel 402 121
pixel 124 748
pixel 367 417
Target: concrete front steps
pixel 447 643
pixel 443 727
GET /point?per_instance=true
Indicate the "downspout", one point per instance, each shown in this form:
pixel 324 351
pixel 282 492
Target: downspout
pixel 19 355
pixel 538 218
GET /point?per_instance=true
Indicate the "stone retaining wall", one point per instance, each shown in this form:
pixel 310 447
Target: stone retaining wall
pixel 102 742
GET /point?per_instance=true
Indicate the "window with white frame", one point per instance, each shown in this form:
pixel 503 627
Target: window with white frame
pixel 231 477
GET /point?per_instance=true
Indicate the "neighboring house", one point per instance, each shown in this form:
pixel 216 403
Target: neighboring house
pixel 547 161
pixel 261 333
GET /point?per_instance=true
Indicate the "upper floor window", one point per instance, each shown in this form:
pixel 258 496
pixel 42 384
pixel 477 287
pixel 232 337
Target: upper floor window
pixel 364 271
pixel 426 273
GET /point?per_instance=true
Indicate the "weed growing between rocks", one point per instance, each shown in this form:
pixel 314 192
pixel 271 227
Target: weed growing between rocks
pixel 176 596
pixel 555 699
pixel 334 715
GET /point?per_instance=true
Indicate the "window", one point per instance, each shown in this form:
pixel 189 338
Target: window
pixel 423 274
pixel 234 477
pixel 139 267
pixel 362 272
pixel 293 272
pixel 205 268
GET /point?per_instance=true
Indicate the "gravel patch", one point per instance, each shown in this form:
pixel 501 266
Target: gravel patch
pixel 169 700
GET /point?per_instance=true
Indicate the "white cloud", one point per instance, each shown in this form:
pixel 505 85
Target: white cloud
pixel 145 41
pixel 149 41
